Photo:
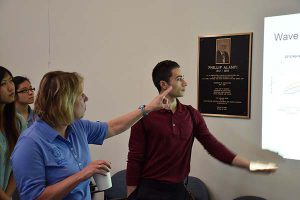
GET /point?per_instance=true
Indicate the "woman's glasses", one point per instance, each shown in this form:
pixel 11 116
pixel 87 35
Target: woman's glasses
pixel 26 91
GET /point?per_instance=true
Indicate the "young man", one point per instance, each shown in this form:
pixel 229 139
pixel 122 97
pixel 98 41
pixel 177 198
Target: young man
pixel 160 144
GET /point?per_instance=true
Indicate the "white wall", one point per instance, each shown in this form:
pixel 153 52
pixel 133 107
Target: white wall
pixel 115 45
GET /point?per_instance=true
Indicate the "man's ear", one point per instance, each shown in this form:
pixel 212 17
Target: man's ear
pixel 163 85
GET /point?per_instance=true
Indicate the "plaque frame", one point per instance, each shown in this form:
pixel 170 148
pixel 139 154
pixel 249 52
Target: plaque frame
pixel 224 79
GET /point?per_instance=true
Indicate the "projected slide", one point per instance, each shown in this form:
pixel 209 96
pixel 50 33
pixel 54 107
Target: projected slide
pixel 281 86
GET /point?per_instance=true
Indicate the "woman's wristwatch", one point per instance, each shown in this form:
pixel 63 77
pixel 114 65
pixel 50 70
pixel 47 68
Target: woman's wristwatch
pixel 142 108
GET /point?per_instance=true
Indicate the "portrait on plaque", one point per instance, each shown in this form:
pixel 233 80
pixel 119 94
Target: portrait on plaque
pixel 224 75
pixel 223 51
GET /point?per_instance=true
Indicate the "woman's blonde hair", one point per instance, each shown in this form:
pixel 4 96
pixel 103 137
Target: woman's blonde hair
pixel 56 97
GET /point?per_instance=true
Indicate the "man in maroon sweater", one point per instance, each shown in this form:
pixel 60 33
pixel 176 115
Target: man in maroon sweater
pixel 160 144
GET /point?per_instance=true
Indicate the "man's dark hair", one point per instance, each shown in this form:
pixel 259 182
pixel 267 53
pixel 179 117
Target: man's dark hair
pixel 162 72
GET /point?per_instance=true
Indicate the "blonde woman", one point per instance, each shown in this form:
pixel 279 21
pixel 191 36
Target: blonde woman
pixel 51 159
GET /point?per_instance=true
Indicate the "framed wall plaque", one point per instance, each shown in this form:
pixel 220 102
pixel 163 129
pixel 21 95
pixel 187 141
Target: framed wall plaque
pixel 224 75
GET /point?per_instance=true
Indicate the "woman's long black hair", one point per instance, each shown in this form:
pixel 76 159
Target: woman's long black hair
pixel 8 119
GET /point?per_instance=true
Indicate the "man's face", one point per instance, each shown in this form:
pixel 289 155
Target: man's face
pixel 178 83
pixel 222 47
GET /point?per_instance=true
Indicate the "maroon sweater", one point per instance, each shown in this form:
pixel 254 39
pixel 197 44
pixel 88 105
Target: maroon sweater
pixel 160 145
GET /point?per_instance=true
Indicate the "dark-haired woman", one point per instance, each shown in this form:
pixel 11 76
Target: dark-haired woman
pixel 24 97
pixel 11 125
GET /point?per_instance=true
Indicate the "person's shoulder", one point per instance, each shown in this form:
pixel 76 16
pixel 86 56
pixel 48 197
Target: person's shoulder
pixel 81 123
pixel 195 111
pixel 35 116
pixel 20 118
pixel 192 108
pixel 20 122
pixel 26 145
pixel 155 112
pixel 150 118
pixel 84 123
pixel 154 115
pixel 186 106
pixel 34 132
pixel 27 140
